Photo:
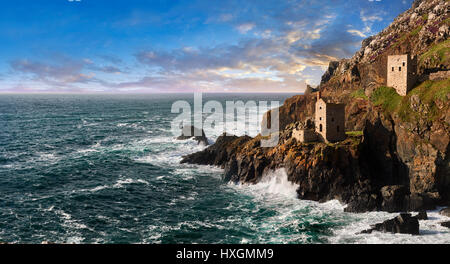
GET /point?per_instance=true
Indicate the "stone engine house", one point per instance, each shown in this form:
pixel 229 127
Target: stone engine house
pixel 329 120
pixel 329 123
pixel 401 73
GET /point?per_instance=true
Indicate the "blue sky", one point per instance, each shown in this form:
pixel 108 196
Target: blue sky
pixel 133 46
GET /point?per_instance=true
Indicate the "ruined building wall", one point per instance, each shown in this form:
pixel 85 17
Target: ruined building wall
pixel 330 121
pixel 401 73
pixel 335 122
pixel 320 118
pixel 304 135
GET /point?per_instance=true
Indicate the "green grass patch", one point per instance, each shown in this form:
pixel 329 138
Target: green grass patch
pixel 428 92
pixel 387 98
pixel 354 133
pixel 359 94
pixel 439 53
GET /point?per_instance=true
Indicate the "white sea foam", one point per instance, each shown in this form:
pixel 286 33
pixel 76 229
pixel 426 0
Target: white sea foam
pixel 430 230
pixel 73 227
pixel 273 183
pixel 170 153
pixel 121 182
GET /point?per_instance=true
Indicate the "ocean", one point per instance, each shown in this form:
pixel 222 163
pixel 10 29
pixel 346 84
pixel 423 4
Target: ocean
pixel 105 169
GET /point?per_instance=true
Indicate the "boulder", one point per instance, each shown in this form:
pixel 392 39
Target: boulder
pixel 193 132
pixel 445 212
pixel 403 224
pixel 422 215
pixel 446 224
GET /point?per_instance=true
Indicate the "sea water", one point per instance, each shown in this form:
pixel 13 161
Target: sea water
pixel 105 169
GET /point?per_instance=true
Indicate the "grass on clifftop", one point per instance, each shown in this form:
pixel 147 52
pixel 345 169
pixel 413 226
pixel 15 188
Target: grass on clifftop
pixel 428 92
pixel 354 133
pixel 387 98
pixel 359 94
pixel 438 53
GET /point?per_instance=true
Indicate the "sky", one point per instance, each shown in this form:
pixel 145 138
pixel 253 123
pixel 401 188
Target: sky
pixel 146 46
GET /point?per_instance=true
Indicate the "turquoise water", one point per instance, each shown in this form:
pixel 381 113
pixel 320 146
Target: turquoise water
pixel 105 169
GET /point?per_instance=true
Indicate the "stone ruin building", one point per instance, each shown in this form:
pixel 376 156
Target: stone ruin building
pixel 329 123
pixel 401 73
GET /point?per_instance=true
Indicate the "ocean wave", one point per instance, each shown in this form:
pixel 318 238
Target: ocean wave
pixel 274 183
pixel 431 232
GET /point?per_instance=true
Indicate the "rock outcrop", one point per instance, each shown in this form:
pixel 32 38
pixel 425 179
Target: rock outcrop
pixel 445 212
pixel 197 134
pixel 446 224
pixel 403 224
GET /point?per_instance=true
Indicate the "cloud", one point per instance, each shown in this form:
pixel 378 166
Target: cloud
pixel 61 72
pixel 279 55
pixel 270 46
pixel 356 33
pixel 64 71
pixel 246 27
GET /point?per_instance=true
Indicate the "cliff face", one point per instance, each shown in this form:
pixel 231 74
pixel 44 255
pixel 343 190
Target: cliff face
pixel 402 160
pixel 323 171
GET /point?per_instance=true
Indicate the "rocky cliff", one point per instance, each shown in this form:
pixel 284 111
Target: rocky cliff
pixel 400 159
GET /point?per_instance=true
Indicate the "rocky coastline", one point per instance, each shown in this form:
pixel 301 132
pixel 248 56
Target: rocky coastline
pixel 396 155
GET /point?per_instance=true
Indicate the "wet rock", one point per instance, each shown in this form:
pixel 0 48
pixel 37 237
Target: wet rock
pixel 445 212
pixel 403 224
pixel 422 215
pixel 362 203
pixel 193 132
pixel 446 224
pixel 219 153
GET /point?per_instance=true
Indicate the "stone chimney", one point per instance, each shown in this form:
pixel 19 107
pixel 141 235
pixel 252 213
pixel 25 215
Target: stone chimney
pixel 319 95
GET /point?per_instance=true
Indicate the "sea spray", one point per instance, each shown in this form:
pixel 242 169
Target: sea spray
pixel 276 182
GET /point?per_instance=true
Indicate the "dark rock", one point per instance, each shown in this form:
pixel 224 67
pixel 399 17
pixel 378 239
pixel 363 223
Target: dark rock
pixel 330 71
pixel 193 132
pixel 219 153
pixel 309 89
pixel 403 224
pixel 446 224
pixel 420 202
pixel 362 203
pixel 445 212
pixel 393 198
pixel 422 215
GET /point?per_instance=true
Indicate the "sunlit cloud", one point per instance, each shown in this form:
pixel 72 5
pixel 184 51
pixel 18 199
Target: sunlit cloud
pixel 234 46
pixel 356 33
